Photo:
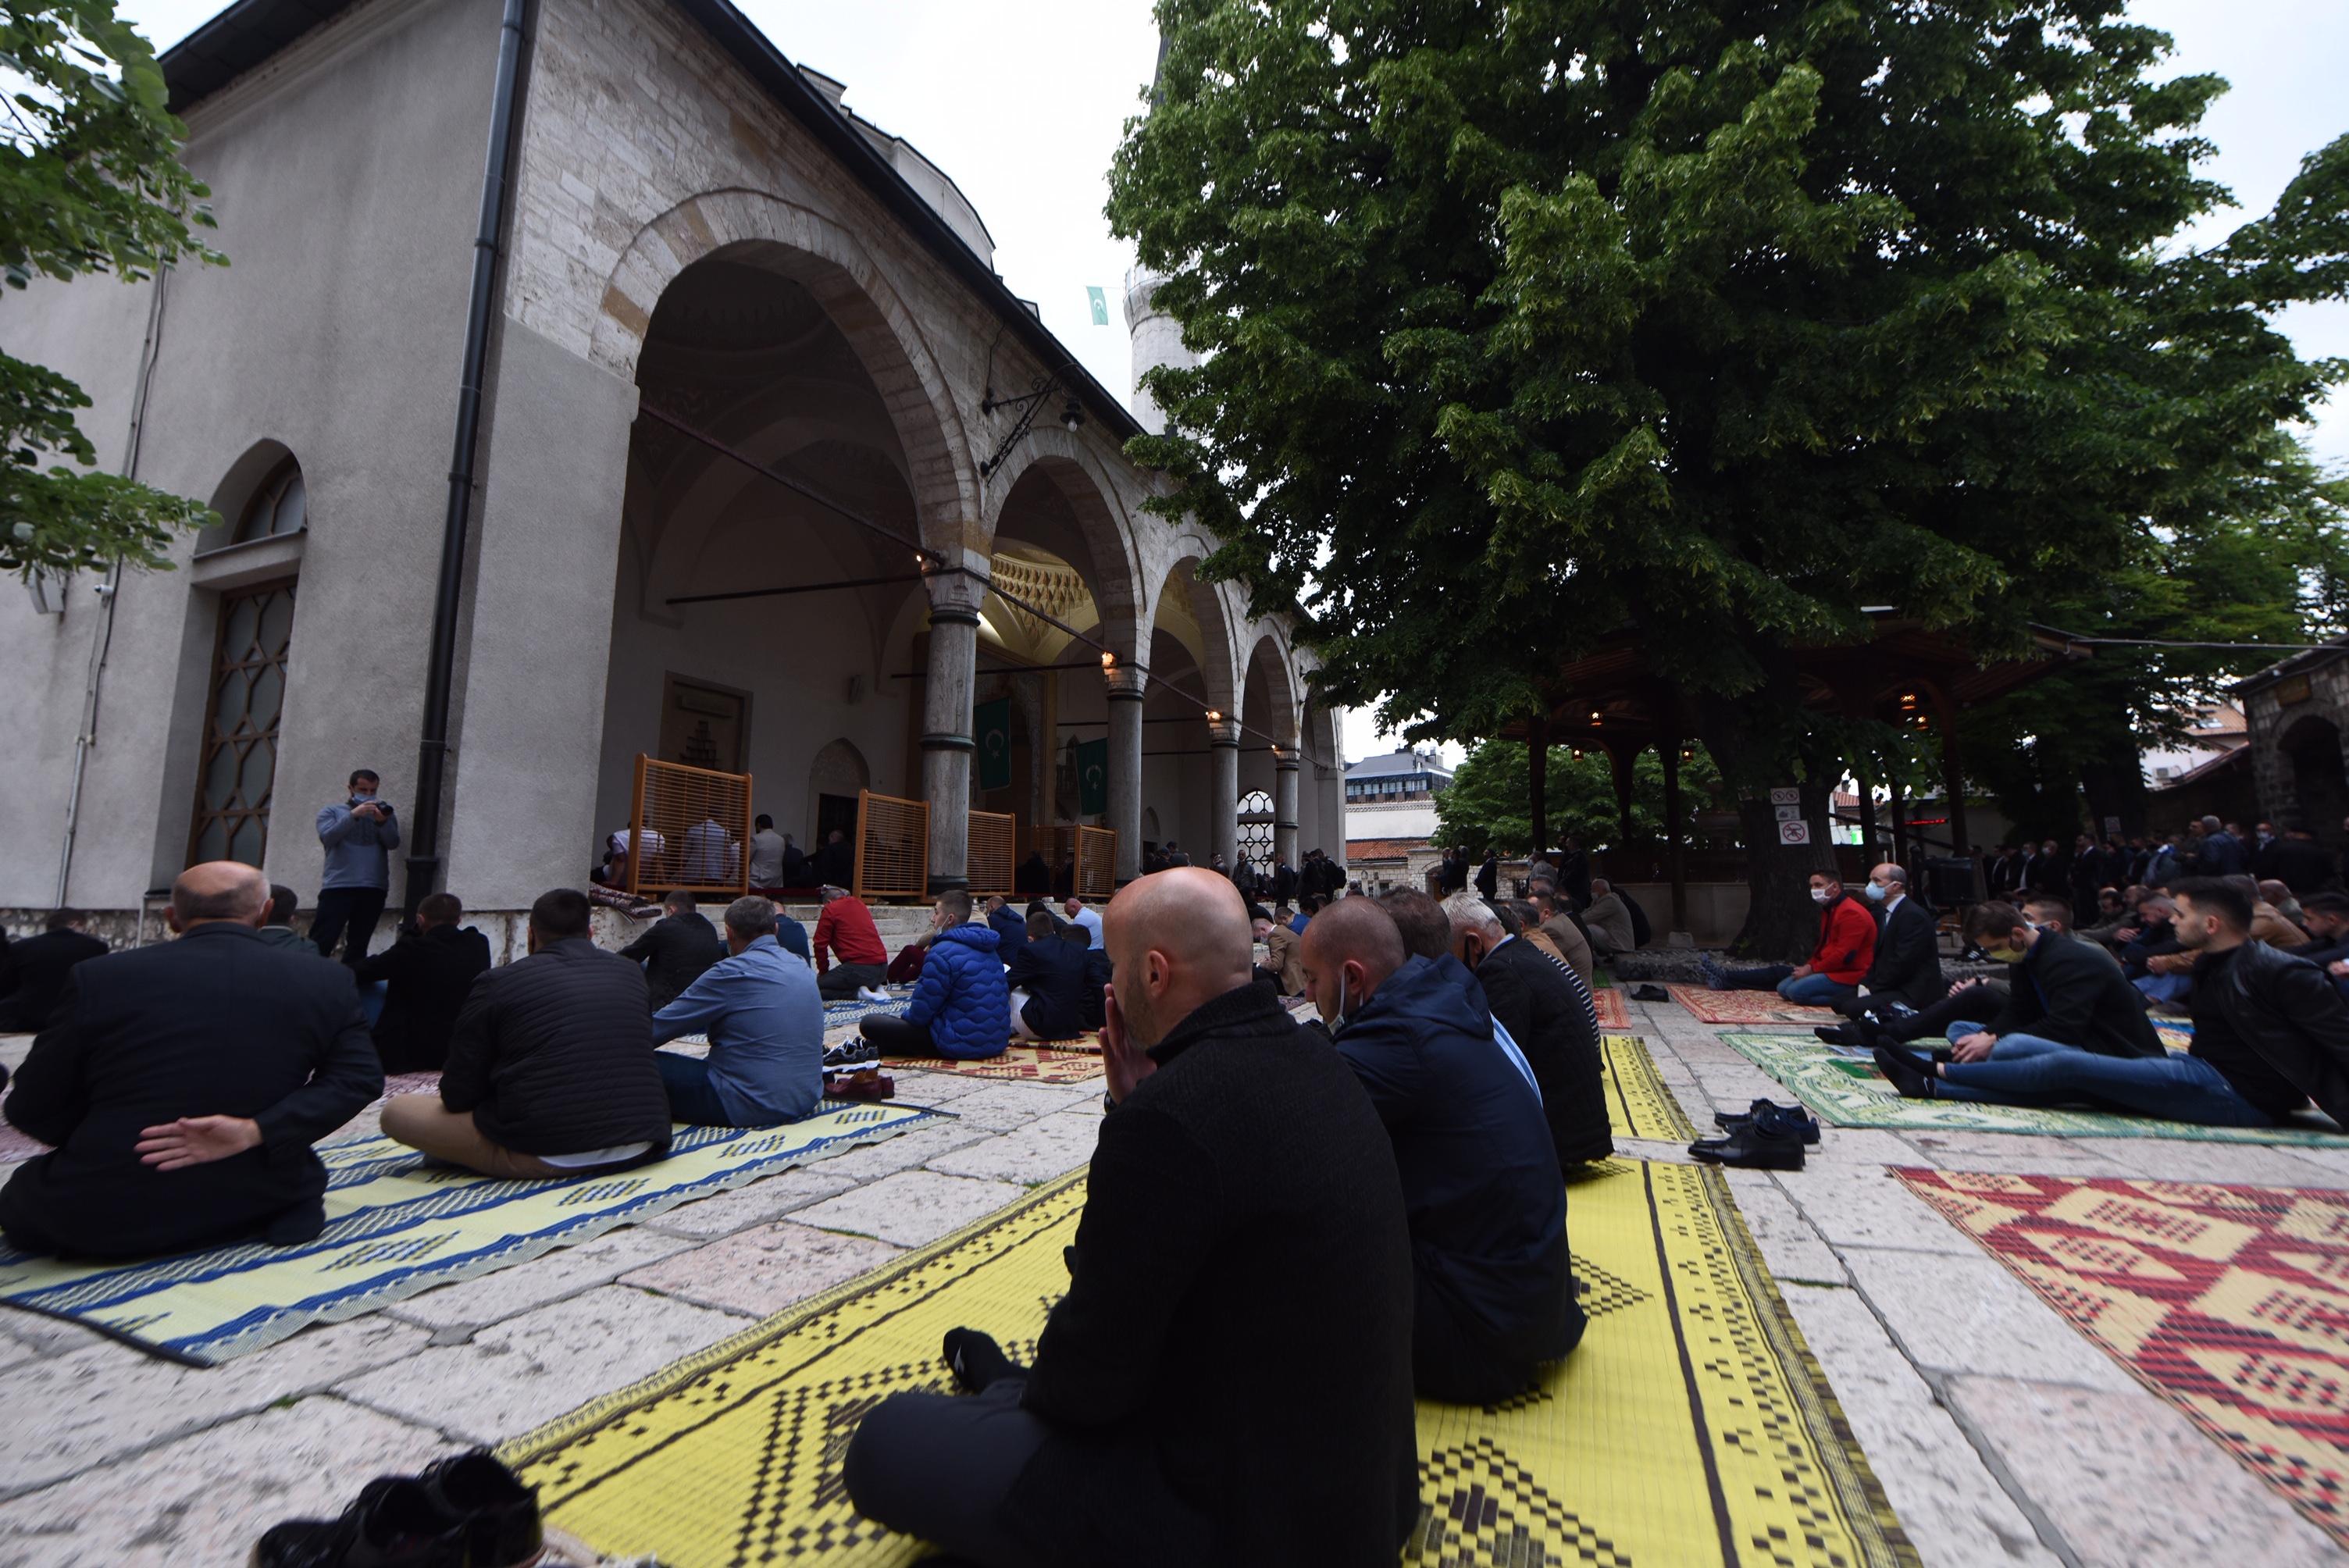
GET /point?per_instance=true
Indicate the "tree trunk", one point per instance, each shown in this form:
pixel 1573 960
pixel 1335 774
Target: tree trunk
pixel 1754 740
pixel 1537 782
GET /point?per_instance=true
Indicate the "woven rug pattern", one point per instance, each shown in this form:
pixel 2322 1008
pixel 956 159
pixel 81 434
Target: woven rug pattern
pixel 1692 1426
pixel 396 1224
pixel 1846 1092
pixel 1637 1103
pixel 1747 1008
pixel 1612 1013
pixel 2228 1302
pixel 1063 1062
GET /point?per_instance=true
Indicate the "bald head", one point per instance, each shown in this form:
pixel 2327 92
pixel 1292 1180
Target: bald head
pixel 1176 939
pixel 219 891
pixel 1348 949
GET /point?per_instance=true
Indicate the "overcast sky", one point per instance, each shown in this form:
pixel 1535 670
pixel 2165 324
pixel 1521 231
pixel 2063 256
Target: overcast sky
pixel 1022 102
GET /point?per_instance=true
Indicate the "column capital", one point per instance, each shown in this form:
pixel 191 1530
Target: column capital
pixel 1284 759
pixel 1224 732
pixel 954 595
pixel 1125 683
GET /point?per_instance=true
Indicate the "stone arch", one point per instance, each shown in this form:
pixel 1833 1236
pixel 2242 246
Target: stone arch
pixel 1210 605
pixel 838 769
pixel 1064 461
pixel 244 478
pixel 1269 652
pixel 760 229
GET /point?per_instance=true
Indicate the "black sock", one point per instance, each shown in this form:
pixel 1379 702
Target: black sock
pixel 977 1360
pixel 1911 1077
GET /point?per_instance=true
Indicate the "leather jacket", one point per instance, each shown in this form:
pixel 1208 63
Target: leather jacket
pixel 2289 1011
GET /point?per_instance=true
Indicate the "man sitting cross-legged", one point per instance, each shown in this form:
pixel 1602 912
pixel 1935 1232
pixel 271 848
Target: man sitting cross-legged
pixel 2267 1033
pixel 765 1023
pixel 183 1085
pixel 1426 934
pixel 549 1070
pixel 1047 975
pixel 1905 974
pixel 845 930
pixel 676 949
pixel 1494 1289
pixel 33 969
pixel 1542 1005
pixel 2063 992
pixel 1839 959
pixel 960 1006
pixel 427 975
pixel 1227 1380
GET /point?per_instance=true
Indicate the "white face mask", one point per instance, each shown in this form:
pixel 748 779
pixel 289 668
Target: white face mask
pixel 1820 895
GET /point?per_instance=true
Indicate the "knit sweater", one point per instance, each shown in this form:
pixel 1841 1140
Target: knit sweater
pixel 555 1055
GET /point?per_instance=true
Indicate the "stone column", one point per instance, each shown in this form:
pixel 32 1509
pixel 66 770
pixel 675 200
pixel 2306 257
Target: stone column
pixel 946 743
pixel 1283 804
pixel 1126 693
pixel 1224 741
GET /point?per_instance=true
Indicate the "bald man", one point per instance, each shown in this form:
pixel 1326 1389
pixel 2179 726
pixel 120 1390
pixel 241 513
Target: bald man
pixel 1493 1287
pixel 1228 1378
pixel 183 1085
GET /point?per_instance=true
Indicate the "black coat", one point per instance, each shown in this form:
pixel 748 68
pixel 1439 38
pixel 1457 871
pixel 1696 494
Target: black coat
pixel 219 1023
pixel 1488 878
pixel 1542 1004
pixel 33 973
pixel 833 865
pixel 2301 864
pixel 1053 973
pixel 1907 962
pixel 425 980
pixel 2289 1012
pixel 1010 930
pixel 555 1055
pixel 2069 990
pixel 1240 1306
pixel 674 952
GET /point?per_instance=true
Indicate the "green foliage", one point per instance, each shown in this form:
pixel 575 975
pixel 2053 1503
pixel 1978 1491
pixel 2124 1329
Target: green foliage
pixel 1526 323
pixel 90 182
pixel 1487 803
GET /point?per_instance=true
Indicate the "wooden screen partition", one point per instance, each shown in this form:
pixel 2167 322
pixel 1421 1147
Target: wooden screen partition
pixel 689 828
pixel 1096 862
pixel 987 862
pixel 893 847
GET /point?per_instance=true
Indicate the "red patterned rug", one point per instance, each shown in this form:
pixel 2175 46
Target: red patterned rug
pixel 1745 1009
pixel 2232 1303
pixel 1612 1013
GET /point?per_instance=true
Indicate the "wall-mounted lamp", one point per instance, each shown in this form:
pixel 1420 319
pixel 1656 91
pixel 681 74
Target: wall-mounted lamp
pixel 1594 719
pixel 1214 717
pixel 1073 413
pixel 1688 753
pixel 1072 418
pixel 1109 660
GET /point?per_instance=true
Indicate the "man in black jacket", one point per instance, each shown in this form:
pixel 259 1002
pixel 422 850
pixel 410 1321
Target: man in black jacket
pixel 1543 1006
pixel 2062 993
pixel 2267 1033
pixel 1047 975
pixel 1906 967
pixel 1228 1378
pixel 32 970
pixel 1481 1183
pixel 679 947
pixel 549 1070
pixel 426 975
pixel 183 1085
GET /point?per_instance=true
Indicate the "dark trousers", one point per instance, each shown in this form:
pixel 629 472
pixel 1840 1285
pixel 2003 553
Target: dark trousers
pixel 1982 999
pixel 1455 1360
pixel 1765 978
pixel 897 1037
pixel 945 1469
pixel 691 1097
pixel 348 914
pixel 839 982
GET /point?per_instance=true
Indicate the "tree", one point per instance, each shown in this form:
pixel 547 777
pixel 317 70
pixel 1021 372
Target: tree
pixel 1485 806
pixel 1716 320
pixel 90 182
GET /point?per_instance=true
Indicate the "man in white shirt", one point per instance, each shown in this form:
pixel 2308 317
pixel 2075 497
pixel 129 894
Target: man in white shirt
pixel 1090 919
pixel 766 853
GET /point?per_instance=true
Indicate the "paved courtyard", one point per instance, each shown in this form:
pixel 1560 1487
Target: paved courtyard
pixel 2000 1434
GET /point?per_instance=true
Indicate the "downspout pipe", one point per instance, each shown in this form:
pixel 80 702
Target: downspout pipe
pixel 432 751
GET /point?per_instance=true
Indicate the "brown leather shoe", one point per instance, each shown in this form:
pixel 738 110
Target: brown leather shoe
pixel 871 1083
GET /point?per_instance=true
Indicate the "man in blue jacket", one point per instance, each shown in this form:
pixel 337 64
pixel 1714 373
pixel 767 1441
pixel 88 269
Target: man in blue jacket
pixel 1048 975
pixel 961 1006
pixel 1482 1189
pixel 359 833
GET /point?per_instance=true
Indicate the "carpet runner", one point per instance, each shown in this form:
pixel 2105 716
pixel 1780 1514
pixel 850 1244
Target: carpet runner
pixel 1747 1008
pixel 1692 1426
pixel 1637 1103
pixel 1612 1013
pixel 2228 1302
pixel 396 1224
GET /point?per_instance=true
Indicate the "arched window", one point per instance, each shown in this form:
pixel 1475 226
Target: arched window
pixel 280 506
pixel 1256 827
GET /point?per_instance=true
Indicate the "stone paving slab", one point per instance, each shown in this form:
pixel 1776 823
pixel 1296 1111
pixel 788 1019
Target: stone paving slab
pixel 911 1207
pixel 1790 1246
pixel 757 1202
pixel 1045 1148
pixel 1000 1107
pixel 523 1372
pixel 204 1498
pixel 550 1277
pixel 764 1269
pixel 1864 1206
pixel 906 1151
pixel 1965 1313
pixel 2131 1484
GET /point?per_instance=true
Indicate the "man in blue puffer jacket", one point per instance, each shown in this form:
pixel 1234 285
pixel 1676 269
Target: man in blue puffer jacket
pixel 961 1006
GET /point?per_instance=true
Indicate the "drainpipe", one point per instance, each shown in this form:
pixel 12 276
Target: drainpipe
pixel 432 752
pixel 86 738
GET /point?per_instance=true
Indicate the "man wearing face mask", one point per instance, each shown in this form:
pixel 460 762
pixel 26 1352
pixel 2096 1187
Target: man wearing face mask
pixel 1481 1184
pixel 1543 1006
pixel 1907 966
pixel 2268 1035
pixel 2062 995
pixel 359 834
pixel 1846 947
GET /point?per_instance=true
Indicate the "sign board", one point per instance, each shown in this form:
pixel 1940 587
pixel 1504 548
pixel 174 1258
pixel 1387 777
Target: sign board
pixel 2112 827
pixel 1793 832
pixel 1788 813
pixel 1785 796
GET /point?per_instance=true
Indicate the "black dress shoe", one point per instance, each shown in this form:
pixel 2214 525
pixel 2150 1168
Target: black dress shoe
pixel 976 1360
pixel 395 1524
pixel 501 1524
pixel 1788 1119
pixel 1754 1146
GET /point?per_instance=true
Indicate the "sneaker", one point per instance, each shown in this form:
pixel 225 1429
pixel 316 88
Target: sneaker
pixel 851 1054
pixel 872 993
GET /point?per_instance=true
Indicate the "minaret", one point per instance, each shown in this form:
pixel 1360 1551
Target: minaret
pixel 1157 336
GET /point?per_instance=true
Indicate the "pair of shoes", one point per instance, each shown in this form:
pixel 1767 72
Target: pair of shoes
pixel 1770 1113
pixel 1716 978
pixel 851 1054
pixel 1907 1071
pixel 870 1083
pixel 1651 994
pixel 870 993
pixel 466 1511
pixel 1772 1143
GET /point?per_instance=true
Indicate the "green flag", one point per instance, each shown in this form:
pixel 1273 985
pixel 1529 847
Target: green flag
pixel 990 723
pixel 1092 778
pixel 1100 303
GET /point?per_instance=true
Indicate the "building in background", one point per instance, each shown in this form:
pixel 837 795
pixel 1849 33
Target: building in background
pixel 1391 817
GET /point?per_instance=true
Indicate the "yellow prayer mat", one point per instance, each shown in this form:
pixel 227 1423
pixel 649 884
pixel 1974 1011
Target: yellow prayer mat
pixel 396 1224
pixel 1637 1103
pixel 1692 1425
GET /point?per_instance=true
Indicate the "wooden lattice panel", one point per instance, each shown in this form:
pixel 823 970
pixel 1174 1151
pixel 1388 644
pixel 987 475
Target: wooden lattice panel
pixel 988 860
pixel 893 847
pixel 691 829
pixel 1096 862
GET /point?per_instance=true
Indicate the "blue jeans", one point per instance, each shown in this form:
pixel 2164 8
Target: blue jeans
pixel 2165 987
pixel 691 1097
pixel 1816 990
pixel 2173 1087
pixel 1768 977
pixel 2010 1047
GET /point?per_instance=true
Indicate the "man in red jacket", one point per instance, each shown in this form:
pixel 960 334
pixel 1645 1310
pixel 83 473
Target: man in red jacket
pixel 1846 947
pixel 845 930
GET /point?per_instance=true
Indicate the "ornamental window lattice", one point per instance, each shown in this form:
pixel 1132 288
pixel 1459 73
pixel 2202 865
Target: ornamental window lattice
pixel 281 506
pixel 1256 827
pixel 238 765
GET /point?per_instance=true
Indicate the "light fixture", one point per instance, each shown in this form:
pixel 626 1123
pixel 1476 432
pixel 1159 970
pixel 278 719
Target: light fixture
pixel 1214 717
pixel 1109 660
pixel 1578 754
pixel 1594 719
pixel 1688 753
pixel 1072 418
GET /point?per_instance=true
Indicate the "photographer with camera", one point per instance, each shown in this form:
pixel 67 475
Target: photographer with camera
pixel 359 834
